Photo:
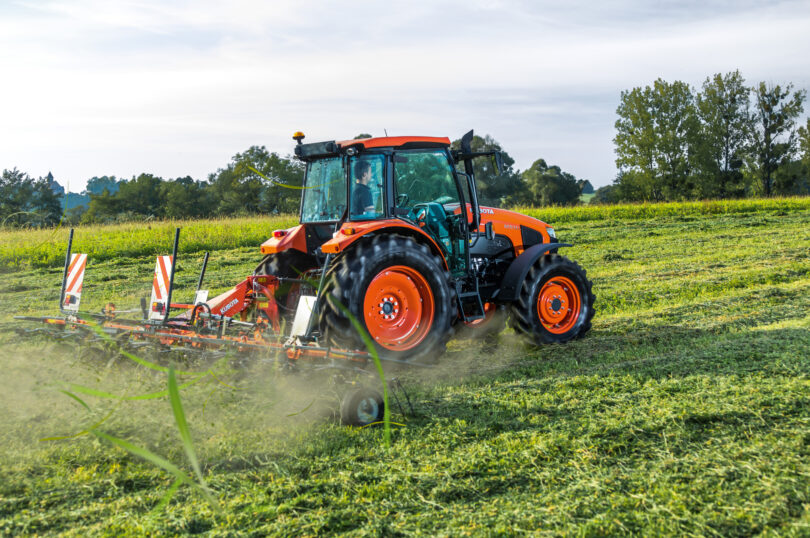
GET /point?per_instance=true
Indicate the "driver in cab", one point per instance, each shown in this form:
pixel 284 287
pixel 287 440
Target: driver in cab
pixel 361 193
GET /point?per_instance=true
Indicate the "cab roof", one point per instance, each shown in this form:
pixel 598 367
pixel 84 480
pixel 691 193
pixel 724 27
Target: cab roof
pixel 398 142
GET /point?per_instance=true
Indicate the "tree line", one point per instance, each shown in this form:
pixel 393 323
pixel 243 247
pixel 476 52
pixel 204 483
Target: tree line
pixel 672 142
pixel 728 140
pixel 237 190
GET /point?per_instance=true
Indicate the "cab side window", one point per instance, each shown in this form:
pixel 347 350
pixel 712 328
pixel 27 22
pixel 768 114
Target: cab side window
pixel 421 177
pixel 367 180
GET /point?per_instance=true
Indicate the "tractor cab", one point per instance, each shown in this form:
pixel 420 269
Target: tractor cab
pixel 355 186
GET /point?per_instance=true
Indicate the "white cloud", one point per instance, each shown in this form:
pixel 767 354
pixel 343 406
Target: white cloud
pixel 175 88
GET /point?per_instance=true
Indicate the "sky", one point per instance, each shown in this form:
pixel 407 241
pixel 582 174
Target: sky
pixel 176 88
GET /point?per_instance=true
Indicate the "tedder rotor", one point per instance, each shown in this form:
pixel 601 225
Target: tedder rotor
pixel 392 248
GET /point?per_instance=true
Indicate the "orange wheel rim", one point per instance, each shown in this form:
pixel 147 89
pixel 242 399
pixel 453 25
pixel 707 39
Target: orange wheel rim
pixel 559 305
pixel 398 308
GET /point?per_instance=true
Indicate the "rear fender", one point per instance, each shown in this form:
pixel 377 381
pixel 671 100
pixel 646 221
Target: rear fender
pixel 295 238
pixel 516 274
pixel 350 232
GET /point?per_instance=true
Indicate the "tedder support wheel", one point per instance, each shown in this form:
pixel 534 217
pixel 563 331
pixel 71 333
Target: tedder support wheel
pixel 361 407
pixel 398 290
pixel 555 303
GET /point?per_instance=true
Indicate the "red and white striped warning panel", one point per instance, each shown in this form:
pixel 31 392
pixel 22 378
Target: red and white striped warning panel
pixel 73 283
pixel 160 287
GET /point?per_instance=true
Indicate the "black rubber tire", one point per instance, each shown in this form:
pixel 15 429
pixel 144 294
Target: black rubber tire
pixel 349 278
pixel 287 264
pixel 361 407
pixel 525 318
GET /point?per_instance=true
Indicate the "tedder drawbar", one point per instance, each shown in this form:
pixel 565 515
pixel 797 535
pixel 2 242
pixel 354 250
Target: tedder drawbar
pixel 392 248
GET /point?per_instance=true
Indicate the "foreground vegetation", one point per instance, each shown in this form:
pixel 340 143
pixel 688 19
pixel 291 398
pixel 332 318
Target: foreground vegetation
pixel 685 410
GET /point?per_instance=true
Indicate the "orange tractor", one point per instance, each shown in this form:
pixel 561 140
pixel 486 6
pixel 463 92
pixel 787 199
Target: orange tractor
pixel 392 246
pixel 392 229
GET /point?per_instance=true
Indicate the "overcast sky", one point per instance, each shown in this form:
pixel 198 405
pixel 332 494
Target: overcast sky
pixel 175 88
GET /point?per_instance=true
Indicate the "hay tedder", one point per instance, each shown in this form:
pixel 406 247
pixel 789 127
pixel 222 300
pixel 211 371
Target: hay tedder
pixel 392 256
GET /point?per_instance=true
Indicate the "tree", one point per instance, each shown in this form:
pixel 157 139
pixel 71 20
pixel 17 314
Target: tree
pixel 102 207
pixel 774 137
pixel 549 185
pixel 725 133
pixel 493 188
pixel 677 126
pixel 238 189
pixel 362 135
pixel 185 198
pixel 656 135
pixel 142 196
pixel 97 185
pixel 804 147
pixel 585 186
pixel 24 200
pixel 636 139
pixel 46 202
pixel 605 195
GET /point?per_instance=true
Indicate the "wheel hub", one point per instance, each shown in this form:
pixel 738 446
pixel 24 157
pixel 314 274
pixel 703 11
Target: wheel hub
pixel 558 304
pixel 388 308
pixel 367 410
pixel 398 308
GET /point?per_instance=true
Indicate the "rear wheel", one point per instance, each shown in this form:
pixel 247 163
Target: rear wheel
pixel 398 291
pixel 556 303
pixel 286 264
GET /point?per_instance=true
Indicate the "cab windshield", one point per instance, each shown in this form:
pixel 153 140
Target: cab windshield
pixel 324 196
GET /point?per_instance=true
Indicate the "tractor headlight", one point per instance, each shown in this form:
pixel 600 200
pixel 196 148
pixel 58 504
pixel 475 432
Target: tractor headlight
pixel 551 233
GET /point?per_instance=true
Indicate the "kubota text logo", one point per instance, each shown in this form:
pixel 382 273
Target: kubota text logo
pixel 230 305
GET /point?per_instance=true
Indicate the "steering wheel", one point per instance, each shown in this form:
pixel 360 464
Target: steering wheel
pixel 403 199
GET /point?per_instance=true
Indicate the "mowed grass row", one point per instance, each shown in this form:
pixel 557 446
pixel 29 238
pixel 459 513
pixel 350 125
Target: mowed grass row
pixel 686 410
pixel 46 248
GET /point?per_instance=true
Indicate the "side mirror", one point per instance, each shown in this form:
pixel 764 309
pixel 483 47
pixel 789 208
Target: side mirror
pixel 497 160
pixel 476 215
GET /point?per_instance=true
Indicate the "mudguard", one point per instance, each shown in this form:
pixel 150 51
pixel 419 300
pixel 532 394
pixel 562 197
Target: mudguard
pixel 513 279
pixel 295 238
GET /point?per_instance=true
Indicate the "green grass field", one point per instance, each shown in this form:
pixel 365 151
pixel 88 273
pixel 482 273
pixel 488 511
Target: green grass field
pixel 686 409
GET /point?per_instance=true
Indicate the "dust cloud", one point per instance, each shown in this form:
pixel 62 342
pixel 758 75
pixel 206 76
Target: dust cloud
pixel 240 410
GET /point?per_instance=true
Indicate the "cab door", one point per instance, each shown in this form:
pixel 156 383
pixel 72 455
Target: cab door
pixel 426 192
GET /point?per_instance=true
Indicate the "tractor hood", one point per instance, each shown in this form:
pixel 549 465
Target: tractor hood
pixel 521 230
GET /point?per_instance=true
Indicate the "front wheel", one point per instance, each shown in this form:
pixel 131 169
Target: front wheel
pixel 556 303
